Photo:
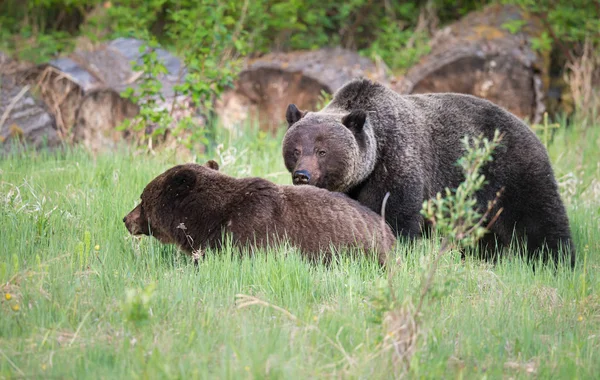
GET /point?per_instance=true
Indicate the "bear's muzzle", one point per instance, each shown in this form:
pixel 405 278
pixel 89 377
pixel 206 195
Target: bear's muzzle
pixel 134 220
pixel 301 177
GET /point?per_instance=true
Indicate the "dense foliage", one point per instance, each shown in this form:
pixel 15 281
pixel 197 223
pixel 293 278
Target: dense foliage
pixel 212 29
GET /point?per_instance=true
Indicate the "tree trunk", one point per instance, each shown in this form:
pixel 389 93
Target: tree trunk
pixel 478 55
pixel 268 84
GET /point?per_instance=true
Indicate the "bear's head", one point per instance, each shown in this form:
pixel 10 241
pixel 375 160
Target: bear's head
pixel 173 203
pixel 335 151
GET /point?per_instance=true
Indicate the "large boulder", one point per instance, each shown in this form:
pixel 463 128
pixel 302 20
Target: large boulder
pixel 479 55
pixel 24 118
pixel 267 84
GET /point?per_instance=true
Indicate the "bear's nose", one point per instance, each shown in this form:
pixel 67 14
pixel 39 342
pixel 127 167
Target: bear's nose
pixel 124 218
pixel 301 177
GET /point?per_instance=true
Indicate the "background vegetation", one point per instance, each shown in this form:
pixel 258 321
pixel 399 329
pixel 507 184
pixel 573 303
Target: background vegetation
pixel 394 31
pixel 80 297
pixel 212 37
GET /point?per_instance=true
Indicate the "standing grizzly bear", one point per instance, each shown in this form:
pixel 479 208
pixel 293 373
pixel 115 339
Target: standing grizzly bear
pixel 254 212
pixel 370 140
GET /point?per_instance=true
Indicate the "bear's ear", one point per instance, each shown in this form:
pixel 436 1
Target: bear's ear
pixel 293 114
pixel 212 164
pixel 181 182
pixel 355 120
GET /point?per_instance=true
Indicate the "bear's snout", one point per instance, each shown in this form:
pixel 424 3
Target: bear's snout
pixel 133 221
pixel 301 177
pixel 131 226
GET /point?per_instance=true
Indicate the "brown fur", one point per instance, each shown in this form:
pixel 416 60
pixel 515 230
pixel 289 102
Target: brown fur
pixel 254 212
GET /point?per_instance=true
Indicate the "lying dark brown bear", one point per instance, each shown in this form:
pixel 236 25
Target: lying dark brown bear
pixel 255 212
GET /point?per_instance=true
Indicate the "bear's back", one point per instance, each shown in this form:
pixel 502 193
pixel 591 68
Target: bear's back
pixel 420 115
pixel 463 111
pixel 317 217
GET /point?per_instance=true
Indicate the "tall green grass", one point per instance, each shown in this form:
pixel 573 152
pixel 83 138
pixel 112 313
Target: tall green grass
pixel 83 299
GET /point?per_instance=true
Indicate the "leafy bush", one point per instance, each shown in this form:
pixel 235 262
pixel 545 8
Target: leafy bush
pixel 454 214
pixel 209 38
pixel 209 27
pixel 571 35
pixel 567 24
pixel 455 217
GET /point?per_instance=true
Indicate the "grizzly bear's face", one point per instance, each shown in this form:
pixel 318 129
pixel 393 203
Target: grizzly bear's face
pixel 166 202
pixel 324 150
pixel 136 221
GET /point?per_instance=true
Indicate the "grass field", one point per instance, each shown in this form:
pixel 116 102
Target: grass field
pixel 83 299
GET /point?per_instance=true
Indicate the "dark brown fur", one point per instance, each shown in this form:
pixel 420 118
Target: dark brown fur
pixel 255 212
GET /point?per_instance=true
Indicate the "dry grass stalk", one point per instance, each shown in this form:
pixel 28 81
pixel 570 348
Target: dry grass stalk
pixel 402 331
pixel 55 87
pixel 243 300
pixel 529 368
pixel 580 77
pixel 12 104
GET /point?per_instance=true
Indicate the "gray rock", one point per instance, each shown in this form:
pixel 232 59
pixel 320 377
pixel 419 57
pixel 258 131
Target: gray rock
pixel 23 118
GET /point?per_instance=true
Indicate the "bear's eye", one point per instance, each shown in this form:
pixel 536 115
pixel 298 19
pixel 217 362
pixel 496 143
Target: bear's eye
pixel 321 153
pixel 296 152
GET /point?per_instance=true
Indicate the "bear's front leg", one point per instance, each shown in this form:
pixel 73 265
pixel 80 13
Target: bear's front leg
pixel 405 224
pixel 402 209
